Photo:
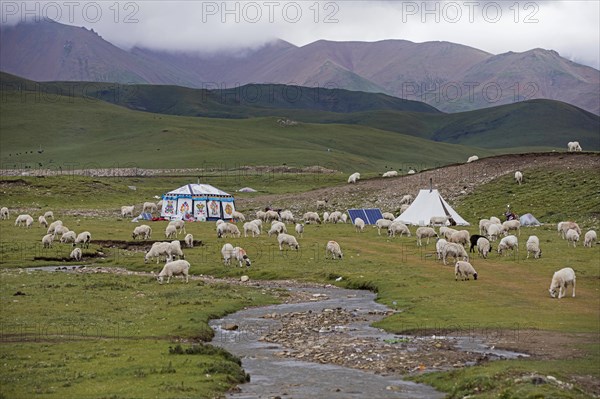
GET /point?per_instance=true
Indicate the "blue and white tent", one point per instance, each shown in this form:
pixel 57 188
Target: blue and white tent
pixel 199 202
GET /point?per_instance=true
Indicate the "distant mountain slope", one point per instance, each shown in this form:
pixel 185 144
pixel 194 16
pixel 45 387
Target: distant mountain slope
pixel 448 76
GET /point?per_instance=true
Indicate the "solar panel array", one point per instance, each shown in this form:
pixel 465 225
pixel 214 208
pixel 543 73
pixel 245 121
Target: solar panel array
pixel 369 215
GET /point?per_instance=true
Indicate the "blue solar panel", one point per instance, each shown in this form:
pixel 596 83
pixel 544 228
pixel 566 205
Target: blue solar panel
pixel 370 216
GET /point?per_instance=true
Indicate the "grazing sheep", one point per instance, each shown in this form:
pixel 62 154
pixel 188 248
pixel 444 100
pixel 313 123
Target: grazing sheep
pixel 390 173
pixel 219 221
pixel 4 214
pixel 425 232
pixel 406 199
pixel 483 247
pixel 561 281
pixel 464 270
pixel 563 227
pixel 438 220
pixel 493 231
pixel 473 239
pixel 144 231
pixel 174 268
pixel 300 229
pixel 47 240
pixel 508 242
pixel 335 217
pixel 454 250
pixel 62 229
pixel 68 237
pixel 277 228
pixel 344 218
pixel 271 215
pixel 460 237
pixel 238 216
pixel 158 249
pixel 590 238
pixel 257 222
pixel 241 256
pixel 179 225
pixel 42 221
pixel 533 246
pixel 76 254
pixel 225 229
pixel 325 217
pixel 250 227
pixel 572 236
pixel 404 207
pixel 227 253
pixel 388 216
pixel 483 225
pixel 439 247
pixel 170 231
pixel 519 177
pixel 382 224
pixel 321 204
pixel 398 228
pixel 287 239
pixel 287 216
pixel 495 220
pixel 24 220
pixel 49 215
pixel 354 177
pixel 84 239
pixel 127 210
pixel 334 249
pixel 176 249
pixel 573 146
pixel 189 241
pixel 472 158
pixel 261 215
pixel 149 207
pixel 359 224
pixel 447 232
pixel 309 217
pixel 512 225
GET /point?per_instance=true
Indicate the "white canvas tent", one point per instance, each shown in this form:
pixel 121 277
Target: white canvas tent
pixel 427 204
pixel 197 202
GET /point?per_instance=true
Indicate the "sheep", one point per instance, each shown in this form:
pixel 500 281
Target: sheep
pixel 170 231
pixel 84 239
pixel 287 239
pixel 398 228
pixel 144 231
pixel 219 221
pixel 325 217
pixel 189 241
pixel 447 232
pixel 76 254
pixel 563 227
pixel 127 210
pixel 359 224
pixel 335 217
pixel 390 173
pixel 62 229
pixel 404 207
pixel 508 242
pixel 68 237
pixel 42 221
pixel 4 214
pixel 334 249
pixel 460 237
pixel 572 236
pixel 464 270
pixel 252 228
pixel 179 226
pixel 472 158
pixel 287 216
pixel 271 215
pixel 589 239
pixel 483 225
pixel 354 177
pixel 176 249
pixel 321 204
pixel 158 249
pixel 454 250
pixel 561 281
pixel 261 215
pixel 149 207
pixel 49 215
pixel 257 222
pixel 388 216
pixel 241 256
pixel 300 229
pixel 277 228
pixel 382 224
pixel 519 177
pixel 24 220
pixel 473 239
pixel 425 232
pixel 512 225
pixel 439 246
pixel 344 218
pixel 533 246
pixel 47 240
pixel 225 229
pixel 493 231
pixel 238 216
pixel 406 199
pixel 227 253
pixel 573 146
pixel 174 268
pixel 483 247
pixel 309 217
pixel 495 220
pixel 438 220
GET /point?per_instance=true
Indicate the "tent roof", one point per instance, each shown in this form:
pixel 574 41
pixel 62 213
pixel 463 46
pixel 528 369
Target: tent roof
pixel 427 204
pixel 198 189
pixel 529 220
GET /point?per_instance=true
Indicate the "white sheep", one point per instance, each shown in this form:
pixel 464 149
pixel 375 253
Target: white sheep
pixel 174 268
pixel 398 228
pixel 519 177
pixel 157 250
pixel 495 220
pixel 4 213
pixel 170 231
pixel 439 247
pixel 84 239
pixel 359 224
pixel 219 221
pixel 438 220
pixel 508 242
pixel 533 246
pixel 47 240
pixel 189 241
pixel 335 217
pixel 42 221
pixel 512 225
pixel 68 237
pixel 238 216
pixel 261 215
pixel 572 236
pixel 483 225
pixel 24 220
pixel 388 216
pixel 310 217
pixel 179 225
pixel 561 281
pixel 277 228
pixel 455 250
pixel 287 239
pixel 287 216
pixel 404 207
pixel 472 158
pixel 251 227
pixel 483 247
pixel 590 238
pixel 49 215
pixel 406 199
pixel 563 227
pixel 241 256
pixel 225 229
pixel 176 249
pixel 257 222
pixel 460 237
pixel 143 231
pixel 227 253
pixel 493 231
pixel 354 177
pixel 299 229
pixel 447 232
pixel 62 229
pixel 321 204
pixel 76 254
pixel 573 146
pixel 344 218
pixel 271 215
pixel 382 224
pixel 425 232
pixel 149 207
pixel 464 269
pixel 127 210
pixel 390 173
pixel 325 217
pixel 334 249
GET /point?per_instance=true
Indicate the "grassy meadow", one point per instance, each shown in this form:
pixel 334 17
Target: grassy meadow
pixel 72 334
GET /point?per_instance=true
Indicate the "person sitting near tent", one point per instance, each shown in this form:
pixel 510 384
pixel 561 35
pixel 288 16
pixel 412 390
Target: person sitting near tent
pixel 510 215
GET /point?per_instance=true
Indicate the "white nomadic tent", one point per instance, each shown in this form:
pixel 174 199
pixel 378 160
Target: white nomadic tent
pixel 197 202
pixel 427 204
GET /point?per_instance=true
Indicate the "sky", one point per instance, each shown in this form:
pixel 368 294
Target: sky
pixel 571 27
